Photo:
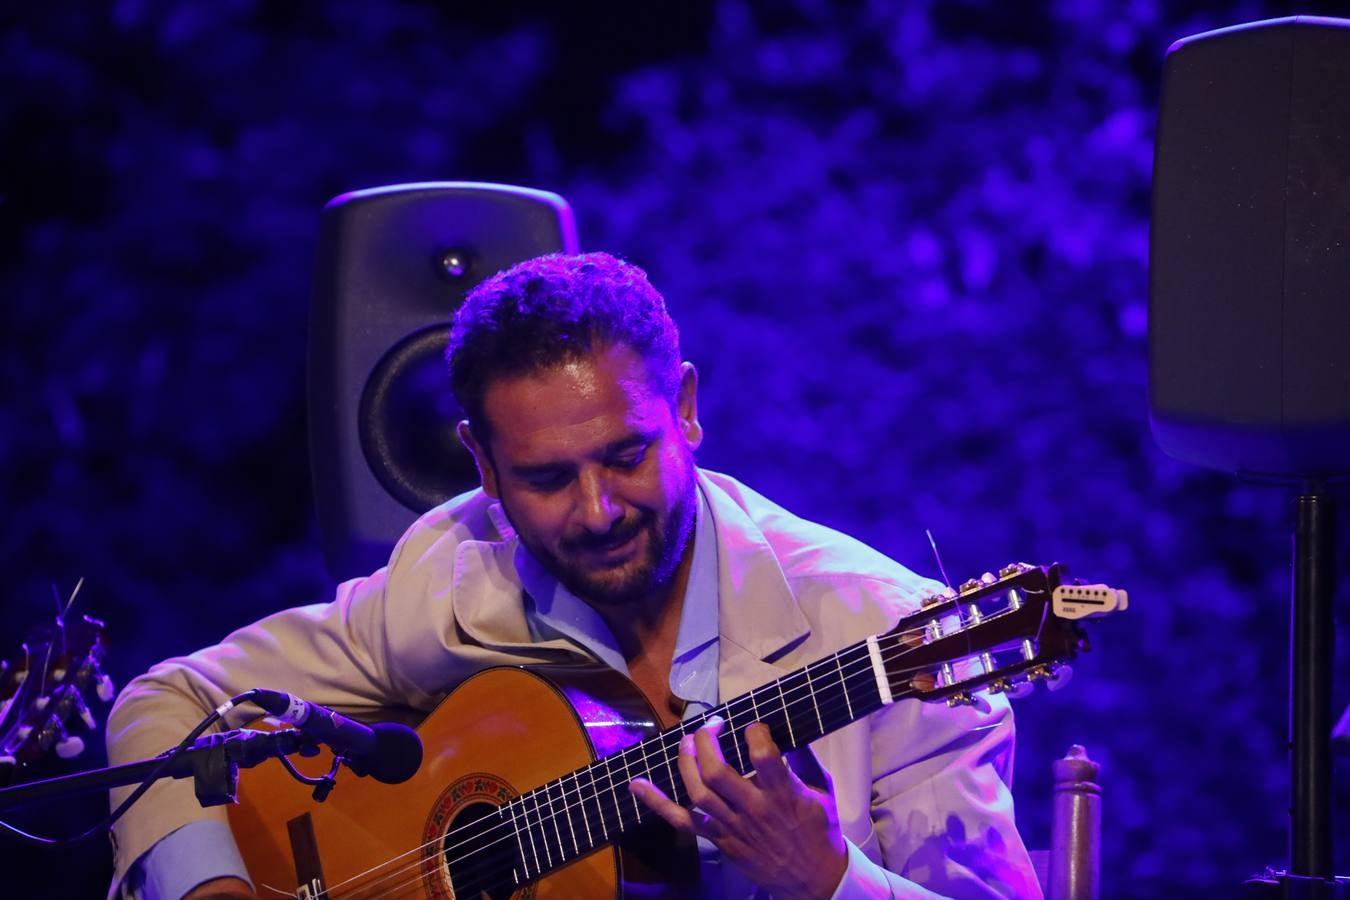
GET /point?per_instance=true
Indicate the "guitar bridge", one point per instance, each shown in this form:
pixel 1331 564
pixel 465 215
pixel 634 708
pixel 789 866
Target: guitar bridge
pixel 314 890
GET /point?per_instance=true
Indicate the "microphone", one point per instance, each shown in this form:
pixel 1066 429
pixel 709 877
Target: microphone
pixel 388 752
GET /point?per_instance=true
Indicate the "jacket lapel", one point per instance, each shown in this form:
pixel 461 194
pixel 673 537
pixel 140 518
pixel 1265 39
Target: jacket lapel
pixel 758 616
pixel 489 604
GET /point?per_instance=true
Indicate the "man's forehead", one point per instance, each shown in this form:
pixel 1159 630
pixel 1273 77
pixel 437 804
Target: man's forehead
pixel 588 399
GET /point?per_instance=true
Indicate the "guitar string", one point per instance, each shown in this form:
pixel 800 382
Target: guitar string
pixel 615 790
pixel 552 816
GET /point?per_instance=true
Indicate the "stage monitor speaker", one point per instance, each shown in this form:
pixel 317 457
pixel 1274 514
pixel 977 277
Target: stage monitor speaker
pixel 1249 282
pixel 394 264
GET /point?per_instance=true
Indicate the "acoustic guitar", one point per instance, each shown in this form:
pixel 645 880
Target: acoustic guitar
pixel 523 788
pixel 43 694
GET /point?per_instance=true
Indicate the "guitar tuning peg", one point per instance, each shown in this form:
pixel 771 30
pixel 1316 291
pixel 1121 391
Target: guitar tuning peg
pixel 932 600
pixel 969 699
pixel 987 578
pixel 1019 689
pixel 70 746
pixel 104 689
pixel 41 702
pixel 1059 677
pixel 83 710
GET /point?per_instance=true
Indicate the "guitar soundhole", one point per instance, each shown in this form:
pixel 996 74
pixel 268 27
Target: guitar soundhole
pixel 479 875
pixel 470 854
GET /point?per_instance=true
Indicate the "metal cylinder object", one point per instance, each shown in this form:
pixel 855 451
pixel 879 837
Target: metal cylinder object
pixel 1076 828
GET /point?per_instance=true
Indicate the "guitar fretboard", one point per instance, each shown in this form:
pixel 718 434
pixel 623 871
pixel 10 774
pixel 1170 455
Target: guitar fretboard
pixel 567 818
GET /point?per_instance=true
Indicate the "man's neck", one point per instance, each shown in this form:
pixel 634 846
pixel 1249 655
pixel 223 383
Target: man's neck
pixel 653 622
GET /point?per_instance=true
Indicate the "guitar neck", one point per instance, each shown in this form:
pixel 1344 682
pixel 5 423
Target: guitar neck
pixel 568 818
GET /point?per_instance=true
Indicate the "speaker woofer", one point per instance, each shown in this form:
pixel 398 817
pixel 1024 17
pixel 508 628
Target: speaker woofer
pixel 407 424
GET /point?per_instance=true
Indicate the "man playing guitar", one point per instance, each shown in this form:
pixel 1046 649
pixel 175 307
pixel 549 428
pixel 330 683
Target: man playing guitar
pixel 595 538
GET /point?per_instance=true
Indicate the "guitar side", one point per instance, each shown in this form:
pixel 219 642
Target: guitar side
pixel 500 733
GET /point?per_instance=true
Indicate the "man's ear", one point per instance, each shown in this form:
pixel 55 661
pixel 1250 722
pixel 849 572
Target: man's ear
pixel 481 460
pixel 686 406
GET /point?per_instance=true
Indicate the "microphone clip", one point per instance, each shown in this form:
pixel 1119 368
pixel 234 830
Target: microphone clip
pixel 213 761
pixel 324 784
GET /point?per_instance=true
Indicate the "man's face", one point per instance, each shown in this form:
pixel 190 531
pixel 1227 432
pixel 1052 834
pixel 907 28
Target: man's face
pixel 595 470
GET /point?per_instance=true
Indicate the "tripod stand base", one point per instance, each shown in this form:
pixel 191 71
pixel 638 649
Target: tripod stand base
pixel 1271 884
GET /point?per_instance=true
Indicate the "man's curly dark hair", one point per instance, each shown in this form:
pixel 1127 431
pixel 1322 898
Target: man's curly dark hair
pixel 544 312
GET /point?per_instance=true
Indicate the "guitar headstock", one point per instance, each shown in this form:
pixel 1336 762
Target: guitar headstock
pixel 43 688
pixel 1001 633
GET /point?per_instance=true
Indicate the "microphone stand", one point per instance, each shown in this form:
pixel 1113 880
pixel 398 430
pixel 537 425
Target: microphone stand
pixel 212 762
pixel 1310 870
pixel 1310 875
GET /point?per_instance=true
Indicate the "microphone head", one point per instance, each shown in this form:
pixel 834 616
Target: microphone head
pixel 395 757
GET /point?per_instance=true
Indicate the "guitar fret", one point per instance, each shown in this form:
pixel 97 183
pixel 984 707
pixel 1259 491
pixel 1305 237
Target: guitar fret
pixel 866 680
pixel 844 683
pixel 529 833
pixel 787 713
pixel 656 746
pixel 581 802
pixel 730 733
pixel 618 806
pixel 524 871
pixel 598 795
pixel 599 809
pixel 567 813
pixel 814 705
pixel 628 777
pixel 670 752
pixel 553 816
pixel 543 836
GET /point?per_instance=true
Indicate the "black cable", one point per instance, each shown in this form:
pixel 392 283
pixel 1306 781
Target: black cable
pixel 168 757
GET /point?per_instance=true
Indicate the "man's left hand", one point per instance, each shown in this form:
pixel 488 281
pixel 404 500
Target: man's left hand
pixel 783 833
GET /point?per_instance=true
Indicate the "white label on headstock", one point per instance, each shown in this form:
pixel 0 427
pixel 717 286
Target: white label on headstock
pixel 1078 601
pixel 879 670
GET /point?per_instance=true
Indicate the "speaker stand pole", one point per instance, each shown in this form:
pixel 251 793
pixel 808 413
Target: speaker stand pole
pixel 1310 667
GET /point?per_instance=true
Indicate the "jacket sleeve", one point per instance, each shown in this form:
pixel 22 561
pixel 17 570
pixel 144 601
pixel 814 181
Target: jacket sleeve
pixel 942 811
pixel 334 654
pixel 923 789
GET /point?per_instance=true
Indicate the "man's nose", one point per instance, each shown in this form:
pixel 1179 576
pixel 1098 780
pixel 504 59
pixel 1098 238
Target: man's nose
pixel 599 509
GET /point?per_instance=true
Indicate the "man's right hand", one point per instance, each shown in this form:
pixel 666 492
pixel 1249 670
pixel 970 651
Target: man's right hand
pixel 222 889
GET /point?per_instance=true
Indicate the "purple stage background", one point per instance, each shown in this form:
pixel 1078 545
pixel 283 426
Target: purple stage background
pixel 906 243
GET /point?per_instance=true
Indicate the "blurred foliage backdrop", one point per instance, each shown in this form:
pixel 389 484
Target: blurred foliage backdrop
pixel 906 242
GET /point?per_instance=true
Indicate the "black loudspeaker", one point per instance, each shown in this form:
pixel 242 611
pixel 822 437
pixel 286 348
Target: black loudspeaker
pixel 394 264
pixel 1249 283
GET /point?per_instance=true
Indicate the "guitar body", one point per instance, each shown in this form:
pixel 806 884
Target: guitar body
pixel 502 732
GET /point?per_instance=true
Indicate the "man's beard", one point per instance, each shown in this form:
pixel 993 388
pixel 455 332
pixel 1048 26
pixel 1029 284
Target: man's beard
pixel 637 578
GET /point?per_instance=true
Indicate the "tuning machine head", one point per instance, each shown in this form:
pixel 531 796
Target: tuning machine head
pixel 69 746
pixel 1055 676
pixel 969 698
pixel 1015 688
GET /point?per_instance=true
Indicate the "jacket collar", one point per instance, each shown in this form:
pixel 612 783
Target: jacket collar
pixel 758 615
pixel 758 612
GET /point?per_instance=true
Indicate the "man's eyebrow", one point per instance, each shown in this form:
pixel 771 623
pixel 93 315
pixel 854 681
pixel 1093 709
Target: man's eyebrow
pixel 628 442
pixel 524 470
